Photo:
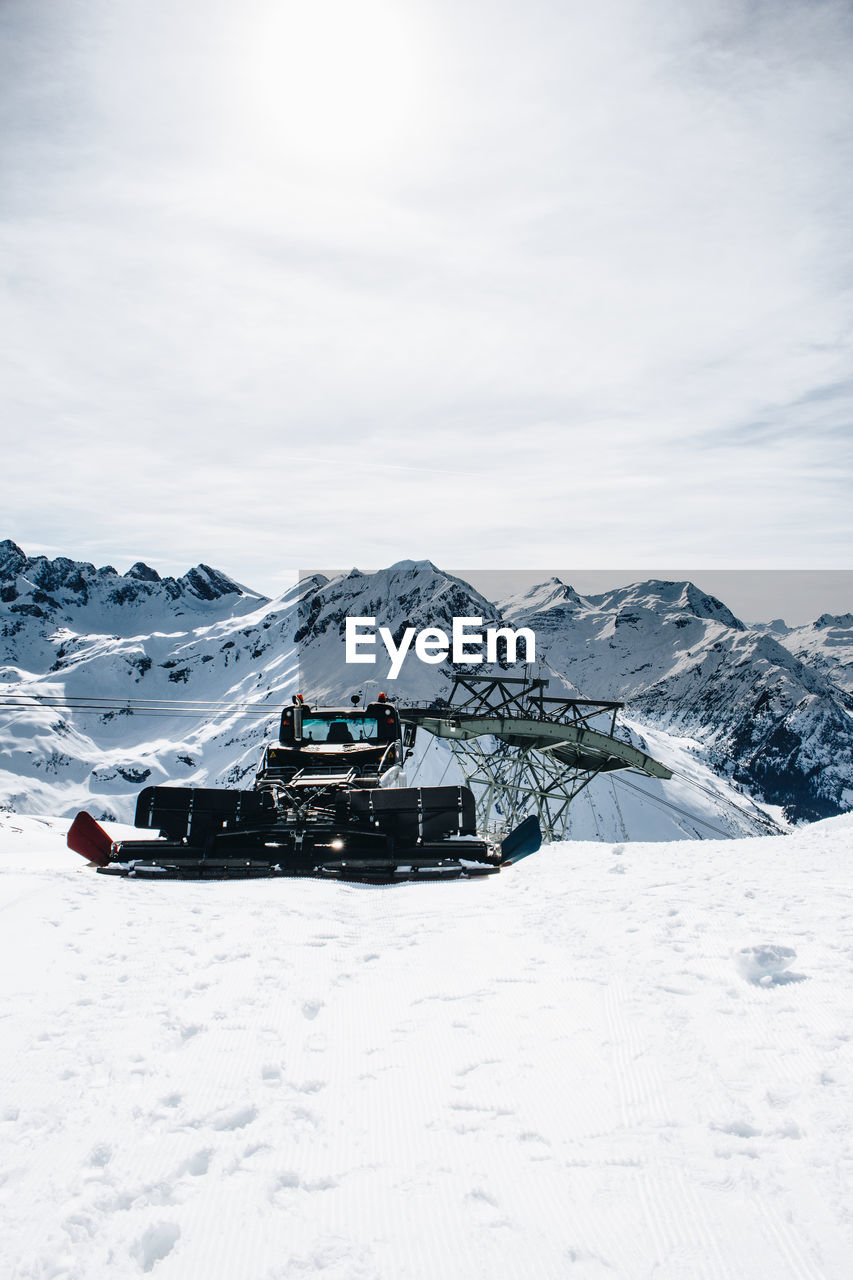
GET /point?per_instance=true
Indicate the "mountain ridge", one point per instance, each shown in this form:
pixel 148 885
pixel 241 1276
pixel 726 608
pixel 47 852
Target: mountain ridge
pixel 755 714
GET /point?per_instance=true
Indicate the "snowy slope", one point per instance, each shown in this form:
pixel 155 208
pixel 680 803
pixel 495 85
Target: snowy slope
pixel 825 644
pixel 569 1069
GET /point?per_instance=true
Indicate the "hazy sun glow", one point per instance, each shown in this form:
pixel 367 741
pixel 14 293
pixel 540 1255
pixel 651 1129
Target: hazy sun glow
pixel 335 81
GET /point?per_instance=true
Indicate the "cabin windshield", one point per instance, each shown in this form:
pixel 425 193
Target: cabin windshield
pixel 340 729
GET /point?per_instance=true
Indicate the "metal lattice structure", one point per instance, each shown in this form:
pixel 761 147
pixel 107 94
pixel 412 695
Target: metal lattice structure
pixel 523 752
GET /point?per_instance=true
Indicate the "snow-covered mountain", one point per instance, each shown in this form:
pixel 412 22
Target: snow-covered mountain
pixel 740 717
pixel 411 593
pixel 683 662
pixel 825 644
pixel 86 598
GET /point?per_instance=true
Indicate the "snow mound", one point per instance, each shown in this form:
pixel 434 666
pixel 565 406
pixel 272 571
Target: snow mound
pixel 763 963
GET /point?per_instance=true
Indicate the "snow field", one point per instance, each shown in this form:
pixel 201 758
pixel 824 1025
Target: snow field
pixel 563 1070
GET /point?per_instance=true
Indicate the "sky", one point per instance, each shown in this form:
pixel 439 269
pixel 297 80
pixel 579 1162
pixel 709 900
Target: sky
pixel 485 283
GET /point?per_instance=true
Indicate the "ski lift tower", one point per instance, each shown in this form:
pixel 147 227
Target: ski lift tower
pixel 522 752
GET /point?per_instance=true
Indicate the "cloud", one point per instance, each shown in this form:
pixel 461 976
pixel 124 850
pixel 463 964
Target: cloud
pixel 588 286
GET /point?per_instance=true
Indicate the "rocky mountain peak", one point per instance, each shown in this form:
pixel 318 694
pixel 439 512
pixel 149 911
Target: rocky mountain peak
pixel 827 620
pixel 74 593
pixel 209 584
pixel 12 558
pixel 142 572
pixel 708 606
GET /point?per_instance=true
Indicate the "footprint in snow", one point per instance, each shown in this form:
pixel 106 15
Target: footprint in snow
pixel 156 1244
pixel 735 1128
pixel 530 1135
pixel 310 1086
pixel 101 1155
pixel 487 1208
pixel 235 1118
pixel 198 1164
pixel 285 1182
pixel 478 1196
